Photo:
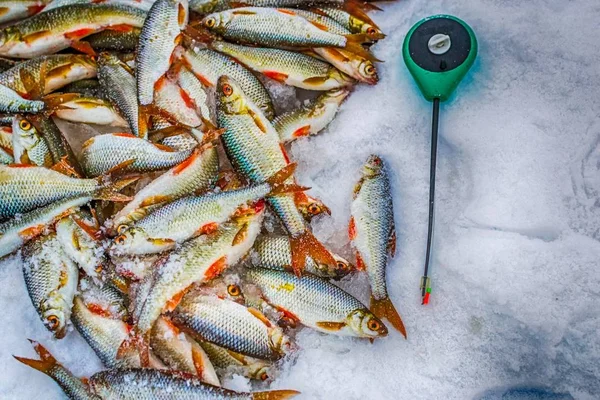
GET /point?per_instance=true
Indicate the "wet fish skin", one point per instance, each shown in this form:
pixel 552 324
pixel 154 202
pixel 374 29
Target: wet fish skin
pixel 119 85
pixel 372 233
pixel 141 4
pixel 114 41
pixel 197 93
pixel 57 29
pixel 291 68
pixel 275 252
pixel 160 34
pixel 91 110
pixel 353 23
pixel 51 279
pixel 310 119
pixel 316 303
pixel 231 325
pixel 208 65
pixel 12 102
pixel 6 157
pixel 104 152
pixel 224 359
pixel 194 175
pixel 130 384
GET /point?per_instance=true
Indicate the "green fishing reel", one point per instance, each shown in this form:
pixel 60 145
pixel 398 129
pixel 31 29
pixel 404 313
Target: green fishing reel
pixel 439 51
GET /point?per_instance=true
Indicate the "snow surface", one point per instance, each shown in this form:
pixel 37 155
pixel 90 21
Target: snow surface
pixel 515 283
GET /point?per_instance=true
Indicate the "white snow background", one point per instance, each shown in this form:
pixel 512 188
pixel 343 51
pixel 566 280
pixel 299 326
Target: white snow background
pixel 516 289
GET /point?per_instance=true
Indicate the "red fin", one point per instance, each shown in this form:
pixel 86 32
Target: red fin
pixel 153 200
pixel 290 318
pixel 385 309
pixel 187 99
pixel 84 47
pixel 98 310
pixel 120 28
pixel 284 152
pixel 319 25
pixel 31 232
pixel 286 11
pixel 360 264
pixel 260 316
pixel 174 302
pixel 160 83
pixel 93 232
pixel 207 229
pixel 352 229
pixel 216 268
pixel 46 362
pixel 308 245
pixel 79 33
pixel 164 147
pixel 302 131
pixel 278 76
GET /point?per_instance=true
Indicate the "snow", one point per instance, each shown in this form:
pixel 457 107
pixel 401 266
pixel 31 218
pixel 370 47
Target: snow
pixel 515 307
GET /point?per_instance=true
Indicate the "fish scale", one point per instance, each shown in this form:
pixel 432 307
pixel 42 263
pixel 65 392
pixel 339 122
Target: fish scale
pixel 28 145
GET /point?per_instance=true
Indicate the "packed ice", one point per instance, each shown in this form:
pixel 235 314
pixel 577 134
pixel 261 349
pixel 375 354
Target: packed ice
pixel 515 308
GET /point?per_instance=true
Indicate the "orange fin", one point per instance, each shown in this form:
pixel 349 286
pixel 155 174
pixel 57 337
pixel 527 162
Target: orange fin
pixel 79 33
pixel 120 28
pixel 186 163
pixel 93 232
pixel 302 131
pixel 31 232
pixel 198 359
pixel 65 168
pixel 278 76
pixel 308 245
pixel 277 181
pixel 319 25
pixel 316 80
pixel 46 362
pixel 360 264
pixel 153 200
pixel 331 326
pixel 354 45
pixel 352 229
pixel 32 37
pixel 274 395
pixel 241 235
pixel 110 192
pixel 216 268
pixel 257 121
pixel 207 229
pixel 174 302
pixel 121 167
pixel 385 309
pixel 84 47
pixel 260 316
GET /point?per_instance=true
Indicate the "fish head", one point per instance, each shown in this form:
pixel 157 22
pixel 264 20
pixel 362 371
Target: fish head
pixel 340 77
pixel 9 36
pixel 230 97
pixel 340 269
pixel 374 166
pixel 279 342
pixel 55 314
pixel 217 22
pixel 136 241
pixel 25 134
pixel 225 287
pixel 365 324
pixel 367 71
pixel 259 370
pixel 310 207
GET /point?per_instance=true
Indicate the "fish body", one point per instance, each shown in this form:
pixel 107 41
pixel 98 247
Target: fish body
pixel 231 325
pixel 176 105
pixel 224 359
pixel 196 92
pixel 372 233
pixel 160 34
pixel 91 110
pixel 208 65
pixel 141 4
pixel 51 280
pixel 275 252
pixel 291 68
pixel 6 145
pixel 196 174
pixel 310 119
pixel 119 86
pixel 197 260
pixel 12 102
pixel 79 235
pixel 15 10
pixel 316 303
pixel 59 70
pixel 114 40
pixel 103 152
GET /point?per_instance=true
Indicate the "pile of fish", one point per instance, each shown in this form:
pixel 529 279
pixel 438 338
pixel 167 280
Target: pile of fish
pixel 180 248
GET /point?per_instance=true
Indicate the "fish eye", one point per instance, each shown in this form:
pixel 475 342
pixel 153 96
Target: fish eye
pixel 314 209
pixel 342 265
pixel 98 269
pixel 121 229
pixel 371 31
pixel 120 239
pixel 370 69
pixel 227 90
pixel 264 376
pixel 210 22
pixel 53 322
pixel 233 290
pixel 373 325
pixel 24 124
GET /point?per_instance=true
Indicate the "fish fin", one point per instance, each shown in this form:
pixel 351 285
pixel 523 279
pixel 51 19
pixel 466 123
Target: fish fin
pixel 357 9
pixel 121 167
pixel 331 326
pixel 244 12
pixel 154 200
pixel 65 168
pixel 186 163
pixel 392 244
pixel 143 118
pixel 278 76
pixel 216 268
pixel 164 147
pixel 352 229
pixel 79 33
pixel 84 47
pixel 198 358
pixel 110 192
pixel 360 263
pixel 316 80
pixel 174 301
pixel 241 235
pixel 31 232
pixel 354 45
pixel 34 9
pixel 260 316
pixel 385 309
pixel 336 54
pixel 277 181
pixel 55 101
pixel 302 131
pixel 257 121
pixel 239 357
pixel 46 361
pixel 93 232
pixel 32 37
pixel 136 342
pixel 120 28
pixel 320 26
pixel 275 395
pixel 30 84
pixel 357 187
pixel 207 229
pixel 307 245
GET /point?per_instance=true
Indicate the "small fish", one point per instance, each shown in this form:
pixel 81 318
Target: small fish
pixel 81 240
pixel 271 27
pixel 373 234
pixel 114 40
pixel 51 280
pixel 197 260
pixel 118 83
pixel 356 66
pixel 63 27
pixel 160 34
pixel 208 65
pixel 194 175
pixel 227 360
pixel 56 71
pixel 180 352
pixel 291 68
pixel 310 119
pixel 25 187
pixel 176 222
pixel 133 384
pixel 316 303
pixel 28 145
pixel 73 387
pixel 351 22
pixel 15 10
pixel 196 92
pixel 91 110
pixel 103 153
pixel 254 149
pixel 231 325
pixel 275 252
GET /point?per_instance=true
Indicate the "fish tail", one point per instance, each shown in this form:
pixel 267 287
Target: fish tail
pixel 358 9
pixel 46 362
pixel 307 245
pixel 354 45
pixel 277 181
pixel 385 309
pixel 275 395
pixel 110 191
